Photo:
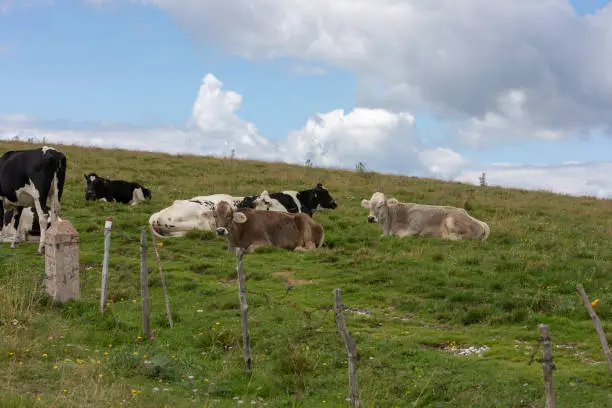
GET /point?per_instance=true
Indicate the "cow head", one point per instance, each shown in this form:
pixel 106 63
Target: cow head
pixel 322 198
pixel 378 206
pixel 94 186
pixel 226 218
pixel 181 217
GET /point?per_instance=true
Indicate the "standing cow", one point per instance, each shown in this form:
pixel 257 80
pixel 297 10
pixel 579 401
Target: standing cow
pixel 409 219
pixel 125 192
pixel 27 179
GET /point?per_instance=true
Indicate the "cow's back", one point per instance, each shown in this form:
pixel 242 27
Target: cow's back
pixel 276 228
pixel 422 217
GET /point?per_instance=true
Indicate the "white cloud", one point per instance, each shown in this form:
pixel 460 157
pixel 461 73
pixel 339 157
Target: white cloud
pixel 385 141
pixel 464 61
pixel 567 178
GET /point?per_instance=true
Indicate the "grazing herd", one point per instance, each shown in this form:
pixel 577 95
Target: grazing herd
pixel 29 178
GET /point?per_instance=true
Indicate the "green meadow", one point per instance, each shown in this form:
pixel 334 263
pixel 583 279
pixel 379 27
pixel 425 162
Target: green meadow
pixel 412 304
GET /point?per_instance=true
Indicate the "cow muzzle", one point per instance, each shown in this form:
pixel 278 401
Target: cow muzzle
pixel 221 231
pixel 334 205
pixel 371 218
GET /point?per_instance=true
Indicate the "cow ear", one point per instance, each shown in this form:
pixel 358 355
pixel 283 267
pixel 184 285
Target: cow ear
pixel 319 186
pixel 239 218
pixel 85 175
pixel 392 201
pixel 265 192
pixel 365 203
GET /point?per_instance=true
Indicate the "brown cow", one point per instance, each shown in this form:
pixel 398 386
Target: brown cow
pixel 248 229
pixel 409 219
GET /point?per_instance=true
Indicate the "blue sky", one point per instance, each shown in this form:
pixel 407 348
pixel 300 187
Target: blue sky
pixel 130 64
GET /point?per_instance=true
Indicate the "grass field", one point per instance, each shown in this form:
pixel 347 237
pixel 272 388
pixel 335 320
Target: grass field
pixel 416 297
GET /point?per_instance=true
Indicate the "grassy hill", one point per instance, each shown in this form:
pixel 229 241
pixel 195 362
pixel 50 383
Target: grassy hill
pixel 411 299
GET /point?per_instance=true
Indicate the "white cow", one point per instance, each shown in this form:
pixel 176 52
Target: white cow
pixel 409 219
pixel 185 215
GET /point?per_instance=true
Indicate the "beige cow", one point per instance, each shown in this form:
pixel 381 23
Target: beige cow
pixel 248 229
pixel 409 219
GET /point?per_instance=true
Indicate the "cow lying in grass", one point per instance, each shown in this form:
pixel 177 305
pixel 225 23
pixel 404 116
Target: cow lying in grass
pixel 305 201
pixel 104 189
pixel 409 219
pixel 248 229
pixel 182 216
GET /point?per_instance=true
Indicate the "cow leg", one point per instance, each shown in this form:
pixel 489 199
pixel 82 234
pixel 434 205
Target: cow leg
pixel 253 247
pixel 406 233
pixel 137 196
pixel 15 225
pixel 43 219
pixel 308 246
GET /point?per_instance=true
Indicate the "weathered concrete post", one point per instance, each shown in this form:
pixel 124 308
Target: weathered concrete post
pixel 62 261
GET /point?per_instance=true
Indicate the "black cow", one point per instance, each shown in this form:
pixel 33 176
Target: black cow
pixel 125 192
pixel 305 201
pixel 27 179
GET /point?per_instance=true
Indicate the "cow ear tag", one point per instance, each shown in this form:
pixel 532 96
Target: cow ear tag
pixel 239 218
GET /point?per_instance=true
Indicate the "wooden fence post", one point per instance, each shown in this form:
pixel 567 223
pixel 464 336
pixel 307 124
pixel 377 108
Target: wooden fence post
pixel 161 274
pixel 144 283
pixel 597 324
pixel 547 366
pixel 107 231
pixel 246 338
pixel 351 349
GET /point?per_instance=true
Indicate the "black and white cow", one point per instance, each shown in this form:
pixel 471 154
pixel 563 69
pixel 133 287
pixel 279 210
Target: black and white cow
pixel 305 201
pixel 125 192
pixel 27 179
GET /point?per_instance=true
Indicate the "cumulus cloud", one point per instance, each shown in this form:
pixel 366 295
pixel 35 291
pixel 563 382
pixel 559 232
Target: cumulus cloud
pixel 382 140
pixel 574 178
pixel 481 65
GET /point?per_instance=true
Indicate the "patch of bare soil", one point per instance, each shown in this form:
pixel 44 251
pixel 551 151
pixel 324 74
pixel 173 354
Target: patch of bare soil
pixel 292 281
